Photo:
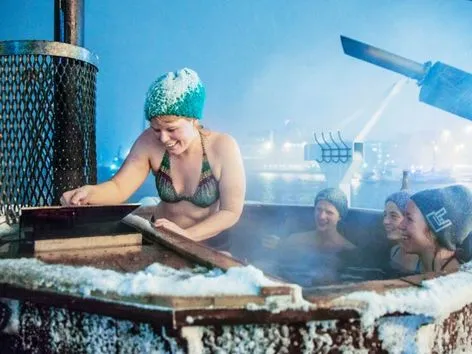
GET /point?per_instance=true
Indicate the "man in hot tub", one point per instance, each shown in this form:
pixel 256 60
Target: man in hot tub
pixel 330 207
pixel 312 257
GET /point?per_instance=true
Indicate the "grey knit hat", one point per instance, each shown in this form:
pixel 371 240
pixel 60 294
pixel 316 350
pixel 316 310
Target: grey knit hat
pixel 336 197
pixel 400 199
pixel 448 212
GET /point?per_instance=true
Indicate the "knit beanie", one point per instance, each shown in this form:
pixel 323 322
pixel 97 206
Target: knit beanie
pixel 179 93
pixel 400 199
pixel 448 212
pixel 336 197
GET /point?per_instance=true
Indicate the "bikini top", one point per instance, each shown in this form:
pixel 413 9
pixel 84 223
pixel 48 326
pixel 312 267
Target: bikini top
pixel 418 263
pixel 207 191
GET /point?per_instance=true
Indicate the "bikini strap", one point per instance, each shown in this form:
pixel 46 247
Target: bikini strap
pixel 448 261
pixel 203 144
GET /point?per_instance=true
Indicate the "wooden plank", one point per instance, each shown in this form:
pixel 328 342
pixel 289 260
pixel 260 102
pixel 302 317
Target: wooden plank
pixel 226 317
pixel 276 290
pixel 119 310
pixel 169 317
pixel 129 259
pixel 182 245
pixel 323 295
pixel 68 257
pixel 187 302
pixel 87 242
pixel 78 221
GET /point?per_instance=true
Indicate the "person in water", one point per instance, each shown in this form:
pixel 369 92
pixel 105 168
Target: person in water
pixel 394 213
pixel 313 257
pixel 436 224
pixel 330 207
pixel 199 173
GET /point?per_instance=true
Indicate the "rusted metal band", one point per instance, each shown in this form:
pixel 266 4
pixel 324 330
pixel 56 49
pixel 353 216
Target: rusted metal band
pixel 57 49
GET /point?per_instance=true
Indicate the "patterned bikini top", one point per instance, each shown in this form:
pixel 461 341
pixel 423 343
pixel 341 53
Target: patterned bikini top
pixel 207 191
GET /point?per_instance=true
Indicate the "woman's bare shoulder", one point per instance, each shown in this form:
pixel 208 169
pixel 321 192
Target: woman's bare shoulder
pixel 222 143
pixel 147 141
pixel 147 148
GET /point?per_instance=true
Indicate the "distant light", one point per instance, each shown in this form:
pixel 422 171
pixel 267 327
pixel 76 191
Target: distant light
pixel 287 145
pixel 445 134
pixel 268 175
pixel 268 145
pixel 113 167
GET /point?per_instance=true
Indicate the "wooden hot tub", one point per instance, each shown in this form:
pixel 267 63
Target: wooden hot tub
pixel 130 295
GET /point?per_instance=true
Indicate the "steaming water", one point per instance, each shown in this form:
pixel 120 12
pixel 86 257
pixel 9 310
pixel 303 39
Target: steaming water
pixel 307 267
pixel 301 189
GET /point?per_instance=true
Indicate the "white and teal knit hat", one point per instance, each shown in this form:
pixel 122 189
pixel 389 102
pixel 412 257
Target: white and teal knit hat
pixel 180 93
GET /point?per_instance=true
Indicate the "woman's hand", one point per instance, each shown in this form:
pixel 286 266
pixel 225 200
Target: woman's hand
pixel 170 226
pixel 78 196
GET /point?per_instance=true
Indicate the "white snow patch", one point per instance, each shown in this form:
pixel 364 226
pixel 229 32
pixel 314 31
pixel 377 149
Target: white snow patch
pixel 437 298
pixel 156 279
pixel 399 334
pixel 193 336
pixel 175 85
pixel 12 326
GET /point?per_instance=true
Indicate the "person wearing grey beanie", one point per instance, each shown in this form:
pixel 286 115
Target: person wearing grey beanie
pixel 315 256
pixel 330 207
pixel 394 213
pixel 437 223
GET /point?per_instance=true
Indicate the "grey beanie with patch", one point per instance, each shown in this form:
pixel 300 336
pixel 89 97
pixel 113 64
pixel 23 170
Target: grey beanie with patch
pixel 448 213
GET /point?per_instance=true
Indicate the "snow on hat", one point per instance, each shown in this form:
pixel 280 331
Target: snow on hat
pixel 448 212
pixel 400 199
pixel 336 197
pixel 180 93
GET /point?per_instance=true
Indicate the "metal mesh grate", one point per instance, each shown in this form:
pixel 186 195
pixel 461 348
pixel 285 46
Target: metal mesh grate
pixel 47 129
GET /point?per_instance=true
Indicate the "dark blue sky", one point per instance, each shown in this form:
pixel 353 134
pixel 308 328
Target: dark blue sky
pixel 263 61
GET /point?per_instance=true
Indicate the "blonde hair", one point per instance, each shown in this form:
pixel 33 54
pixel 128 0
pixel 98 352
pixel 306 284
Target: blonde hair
pixel 172 119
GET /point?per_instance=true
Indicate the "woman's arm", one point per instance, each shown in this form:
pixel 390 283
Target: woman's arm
pixel 120 187
pixel 232 188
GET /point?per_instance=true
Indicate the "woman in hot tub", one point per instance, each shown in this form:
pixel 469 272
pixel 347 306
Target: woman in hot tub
pixel 394 213
pixel 436 224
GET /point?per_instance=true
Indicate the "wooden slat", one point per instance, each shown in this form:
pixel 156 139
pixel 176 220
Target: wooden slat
pixel 323 295
pixel 188 302
pixel 169 317
pixel 197 252
pixel 127 259
pixel 78 221
pixel 80 256
pixel 66 244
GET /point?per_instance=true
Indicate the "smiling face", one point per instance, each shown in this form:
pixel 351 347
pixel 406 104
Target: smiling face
pixel 326 216
pixel 175 133
pixel 416 235
pixel 391 220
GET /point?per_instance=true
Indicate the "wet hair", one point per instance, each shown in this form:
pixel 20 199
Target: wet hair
pixel 172 119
